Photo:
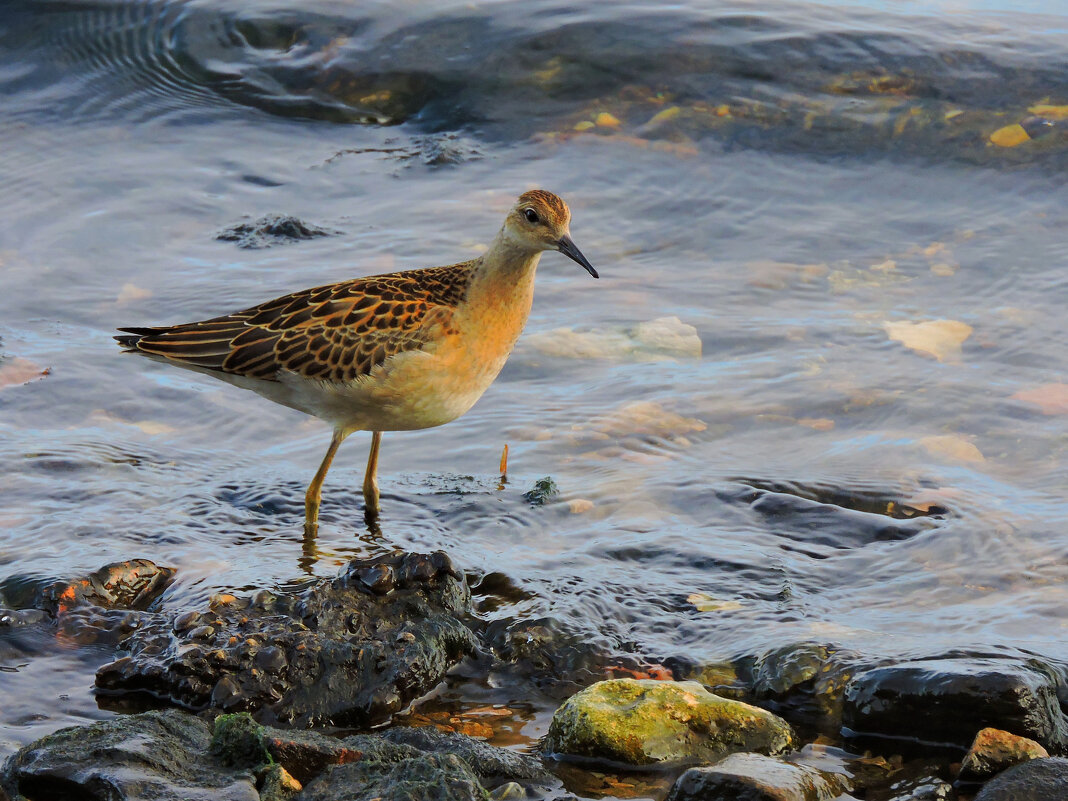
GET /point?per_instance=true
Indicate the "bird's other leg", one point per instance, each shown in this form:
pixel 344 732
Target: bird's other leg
pixel 312 496
pixel 370 478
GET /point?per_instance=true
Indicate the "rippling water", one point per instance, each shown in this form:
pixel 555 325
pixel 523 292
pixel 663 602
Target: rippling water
pixel 867 450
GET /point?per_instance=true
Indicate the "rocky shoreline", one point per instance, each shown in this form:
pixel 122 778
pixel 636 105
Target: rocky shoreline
pixel 265 691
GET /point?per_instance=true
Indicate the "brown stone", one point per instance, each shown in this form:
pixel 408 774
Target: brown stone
pixel 994 750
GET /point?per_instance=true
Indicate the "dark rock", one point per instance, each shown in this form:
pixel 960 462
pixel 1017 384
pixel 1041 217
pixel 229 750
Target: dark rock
pixel 133 584
pixel 543 491
pixel 241 742
pixel 306 754
pixel 338 652
pixel 426 777
pixel 487 761
pixel 237 741
pixel 948 700
pixel 805 683
pixel 274 229
pixel 1037 780
pixel 993 751
pixel 153 755
pixel 753 777
pixel 559 662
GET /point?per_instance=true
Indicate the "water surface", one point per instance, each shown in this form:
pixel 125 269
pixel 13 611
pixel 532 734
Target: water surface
pixel 786 447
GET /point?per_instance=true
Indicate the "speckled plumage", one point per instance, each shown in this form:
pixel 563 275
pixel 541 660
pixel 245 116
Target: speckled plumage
pixel 402 351
pixel 335 333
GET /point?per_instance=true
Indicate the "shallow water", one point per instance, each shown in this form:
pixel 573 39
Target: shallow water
pixel 817 473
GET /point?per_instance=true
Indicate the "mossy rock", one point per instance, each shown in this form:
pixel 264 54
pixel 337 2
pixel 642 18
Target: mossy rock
pixel 646 722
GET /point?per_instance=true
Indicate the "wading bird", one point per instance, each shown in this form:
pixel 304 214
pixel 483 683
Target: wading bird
pixel 394 352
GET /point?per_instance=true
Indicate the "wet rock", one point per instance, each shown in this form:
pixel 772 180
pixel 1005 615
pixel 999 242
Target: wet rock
pixel 18 618
pixel 754 777
pixel 543 492
pixel 274 229
pixel 426 777
pixel 804 682
pixel 924 788
pixel 950 699
pixel 447 150
pixel 644 722
pixel 239 741
pixel 487 761
pixel 352 650
pixel 133 584
pixel 153 755
pixel 275 784
pixel 1036 780
pixel 558 662
pixel 994 750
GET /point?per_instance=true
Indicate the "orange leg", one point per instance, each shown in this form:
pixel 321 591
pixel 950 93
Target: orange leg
pixel 314 493
pixel 370 479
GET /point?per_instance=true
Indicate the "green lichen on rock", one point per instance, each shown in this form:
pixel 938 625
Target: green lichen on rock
pixel 645 722
pixel 237 741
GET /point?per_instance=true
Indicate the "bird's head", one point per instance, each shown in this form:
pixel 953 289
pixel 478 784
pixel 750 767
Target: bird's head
pixel 539 221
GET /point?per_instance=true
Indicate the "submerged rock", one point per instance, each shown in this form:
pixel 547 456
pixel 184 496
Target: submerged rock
pixel 352 650
pixel 950 699
pixel 274 229
pixel 153 755
pixel 644 722
pixel 994 750
pixel 133 584
pixel 1036 780
pixel 754 777
pixel 557 661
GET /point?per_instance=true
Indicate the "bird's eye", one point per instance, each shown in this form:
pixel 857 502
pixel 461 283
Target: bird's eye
pixel 532 216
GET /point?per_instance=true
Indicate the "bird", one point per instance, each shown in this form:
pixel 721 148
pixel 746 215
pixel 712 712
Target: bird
pixel 395 352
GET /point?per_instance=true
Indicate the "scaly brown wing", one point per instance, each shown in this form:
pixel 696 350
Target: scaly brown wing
pixel 333 333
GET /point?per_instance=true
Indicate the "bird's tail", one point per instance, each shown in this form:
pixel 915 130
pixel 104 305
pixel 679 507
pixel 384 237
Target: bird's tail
pixel 132 336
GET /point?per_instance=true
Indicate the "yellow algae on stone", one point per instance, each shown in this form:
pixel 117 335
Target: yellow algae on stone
pixel 1049 112
pixel 706 603
pixel 1009 136
pixel 663 116
pixel 585 125
pixel 952 446
pixel 606 120
pixel 645 722
pixel 939 338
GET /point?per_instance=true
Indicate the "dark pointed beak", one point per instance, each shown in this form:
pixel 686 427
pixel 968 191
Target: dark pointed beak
pixel 567 247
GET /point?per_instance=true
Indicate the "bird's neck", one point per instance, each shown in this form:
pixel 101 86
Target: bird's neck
pixel 504 275
pixel 502 289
